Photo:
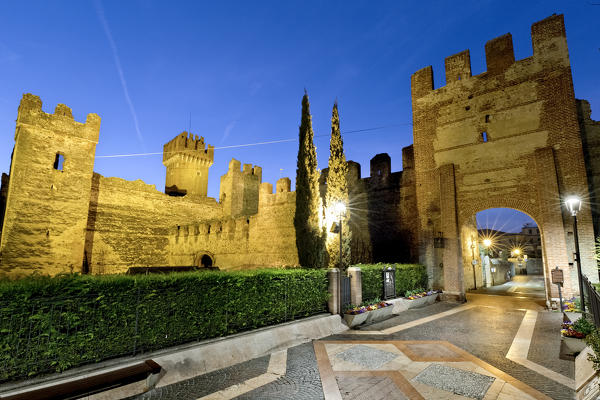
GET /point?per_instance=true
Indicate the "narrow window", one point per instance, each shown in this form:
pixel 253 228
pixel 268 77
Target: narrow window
pixel 379 172
pixel 459 77
pixel 467 108
pixel 487 118
pixel 484 136
pixel 209 229
pixel 59 162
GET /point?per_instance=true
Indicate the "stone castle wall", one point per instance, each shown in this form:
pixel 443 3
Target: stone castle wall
pixel 508 137
pixel 47 202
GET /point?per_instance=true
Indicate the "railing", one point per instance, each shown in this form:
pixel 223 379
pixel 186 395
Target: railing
pixel 592 300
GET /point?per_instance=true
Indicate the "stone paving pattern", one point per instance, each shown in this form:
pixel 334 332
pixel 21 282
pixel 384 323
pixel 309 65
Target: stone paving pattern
pixel 369 388
pixel 301 381
pixel 367 357
pixel 485 332
pixel 457 381
pixel 200 386
pixel 545 345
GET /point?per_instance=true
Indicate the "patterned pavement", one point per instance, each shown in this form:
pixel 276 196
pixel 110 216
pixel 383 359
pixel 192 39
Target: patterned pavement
pixel 461 355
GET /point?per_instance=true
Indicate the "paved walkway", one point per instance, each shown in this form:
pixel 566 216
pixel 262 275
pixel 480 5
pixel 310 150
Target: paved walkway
pixel 492 347
pixel 519 285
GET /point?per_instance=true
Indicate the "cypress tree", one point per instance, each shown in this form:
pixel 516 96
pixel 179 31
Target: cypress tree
pixel 337 191
pixel 307 220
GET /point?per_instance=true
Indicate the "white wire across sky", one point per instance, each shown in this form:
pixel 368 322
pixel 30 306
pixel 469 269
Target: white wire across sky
pixel 261 143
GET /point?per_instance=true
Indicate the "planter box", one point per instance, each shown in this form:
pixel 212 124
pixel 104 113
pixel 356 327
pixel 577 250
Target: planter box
pixel 379 315
pixel 403 304
pixel 573 344
pixel 355 320
pixel 368 317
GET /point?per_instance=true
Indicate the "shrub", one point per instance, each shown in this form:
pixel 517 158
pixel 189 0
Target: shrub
pixel 51 324
pixel 408 277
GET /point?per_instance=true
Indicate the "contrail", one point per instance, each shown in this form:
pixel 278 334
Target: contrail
pixel 113 47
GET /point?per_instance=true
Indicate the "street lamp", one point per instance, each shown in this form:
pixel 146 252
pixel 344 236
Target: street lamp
pixel 340 209
pixel 574 206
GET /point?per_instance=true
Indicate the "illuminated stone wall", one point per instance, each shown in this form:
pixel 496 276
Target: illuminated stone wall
pixel 508 137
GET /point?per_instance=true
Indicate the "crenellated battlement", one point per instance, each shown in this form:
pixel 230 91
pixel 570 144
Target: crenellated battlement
pixel 61 122
pixel 189 148
pixel 549 43
pixel 283 193
pixel 226 229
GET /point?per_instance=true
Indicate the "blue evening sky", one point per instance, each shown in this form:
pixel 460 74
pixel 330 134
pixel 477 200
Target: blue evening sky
pixel 239 69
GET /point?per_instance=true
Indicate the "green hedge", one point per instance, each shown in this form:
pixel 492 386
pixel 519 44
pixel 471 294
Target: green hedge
pixel 408 277
pixel 51 324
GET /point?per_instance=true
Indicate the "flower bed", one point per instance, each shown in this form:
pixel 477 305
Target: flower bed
pixel 418 295
pixel 571 305
pixel 368 313
pixel 573 333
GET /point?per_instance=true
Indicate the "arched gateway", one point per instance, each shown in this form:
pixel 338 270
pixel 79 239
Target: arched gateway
pixel 506 138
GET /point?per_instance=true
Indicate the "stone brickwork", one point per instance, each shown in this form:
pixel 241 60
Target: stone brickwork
pixel 383 210
pixel 590 137
pixel 187 160
pixel 49 190
pixel 508 137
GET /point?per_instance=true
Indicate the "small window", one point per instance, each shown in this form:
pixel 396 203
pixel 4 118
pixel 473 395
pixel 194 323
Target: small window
pixel 379 172
pixel 209 229
pixel 467 108
pixel 484 136
pixel 59 162
pixel 487 118
pixel 459 77
pixel 470 97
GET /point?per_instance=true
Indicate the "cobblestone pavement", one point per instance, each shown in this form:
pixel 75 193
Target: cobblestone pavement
pixel 203 385
pixel 485 332
pixel 301 381
pixel 545 345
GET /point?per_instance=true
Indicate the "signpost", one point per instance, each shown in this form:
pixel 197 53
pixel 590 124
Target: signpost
pixel 558 279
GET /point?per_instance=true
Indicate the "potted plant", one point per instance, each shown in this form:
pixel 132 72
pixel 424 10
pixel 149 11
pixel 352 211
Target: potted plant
pixel 368 312
pixel 574 333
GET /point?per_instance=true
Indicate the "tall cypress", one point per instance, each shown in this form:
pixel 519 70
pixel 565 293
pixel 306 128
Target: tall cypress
pixel 337 191
pixel 307 220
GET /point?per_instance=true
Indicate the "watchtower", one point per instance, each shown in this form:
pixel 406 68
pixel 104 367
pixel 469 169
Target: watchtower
pixel 48 190
pixel 187 159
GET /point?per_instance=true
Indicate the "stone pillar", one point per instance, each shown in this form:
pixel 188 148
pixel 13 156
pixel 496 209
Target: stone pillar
pixel 454 287
pixel 355 276
pixel 333 275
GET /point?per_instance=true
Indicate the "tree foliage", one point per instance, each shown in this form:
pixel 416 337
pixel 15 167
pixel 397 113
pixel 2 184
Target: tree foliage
pixel 337 192
pixel 307 220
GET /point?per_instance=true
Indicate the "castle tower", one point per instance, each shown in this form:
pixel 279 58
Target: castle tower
pixel 187 160
pixel 239 190
pixel 48 190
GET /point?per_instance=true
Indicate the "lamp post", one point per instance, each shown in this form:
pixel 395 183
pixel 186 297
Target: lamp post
pixel 574 206
pixel 474 261
pixel 340 209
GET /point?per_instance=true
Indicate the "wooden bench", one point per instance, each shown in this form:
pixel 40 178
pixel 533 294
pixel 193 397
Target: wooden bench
pixel 87 386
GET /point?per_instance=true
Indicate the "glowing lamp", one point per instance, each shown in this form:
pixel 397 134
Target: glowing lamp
pixel 573 205
pixel 340 208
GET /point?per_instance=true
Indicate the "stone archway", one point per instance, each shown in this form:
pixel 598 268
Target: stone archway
pixel 206 261
pixel 472 249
